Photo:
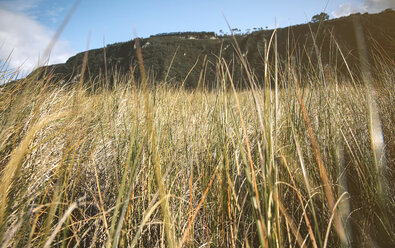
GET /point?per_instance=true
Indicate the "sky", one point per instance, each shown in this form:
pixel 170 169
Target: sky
pixel 28 26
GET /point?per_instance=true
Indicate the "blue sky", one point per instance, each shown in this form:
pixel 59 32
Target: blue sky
pixel 27 26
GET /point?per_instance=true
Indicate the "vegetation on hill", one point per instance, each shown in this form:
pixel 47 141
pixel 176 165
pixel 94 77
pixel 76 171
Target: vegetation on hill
pixel 196 35
pixel 199 50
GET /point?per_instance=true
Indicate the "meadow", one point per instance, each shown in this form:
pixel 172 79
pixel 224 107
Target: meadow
pixel 303 159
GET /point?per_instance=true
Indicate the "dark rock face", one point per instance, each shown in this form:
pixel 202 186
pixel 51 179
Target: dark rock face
pixel 201 51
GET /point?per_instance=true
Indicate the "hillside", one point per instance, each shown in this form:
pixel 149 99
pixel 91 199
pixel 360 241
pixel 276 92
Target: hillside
pixel 205 47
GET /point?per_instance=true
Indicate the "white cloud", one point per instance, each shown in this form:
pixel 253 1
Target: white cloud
pixel 54 13
pixel 26 39
pixel 19 5
pixel 378 5
pixel 344 10
pixel 371 6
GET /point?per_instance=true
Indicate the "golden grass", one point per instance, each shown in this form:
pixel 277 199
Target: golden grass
pixel 149 167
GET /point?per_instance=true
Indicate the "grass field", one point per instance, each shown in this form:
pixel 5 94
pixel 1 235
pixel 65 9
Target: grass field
pixel 306 159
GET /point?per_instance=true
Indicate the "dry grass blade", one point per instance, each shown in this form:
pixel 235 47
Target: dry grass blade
pixel 167 219
pixel 321 167
pixel 296 233
pixel 333 215
pixel 290 222
pixel 195 213
pixel 59 31
pixel 256 202
pixel 375 127
pixel 101 200
pixel 60 223
pixel 14 165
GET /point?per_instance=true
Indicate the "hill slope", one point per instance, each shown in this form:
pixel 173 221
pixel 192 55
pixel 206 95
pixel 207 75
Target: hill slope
pixel 202 50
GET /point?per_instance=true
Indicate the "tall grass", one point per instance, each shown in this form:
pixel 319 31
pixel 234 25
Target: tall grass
pixel 289 164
